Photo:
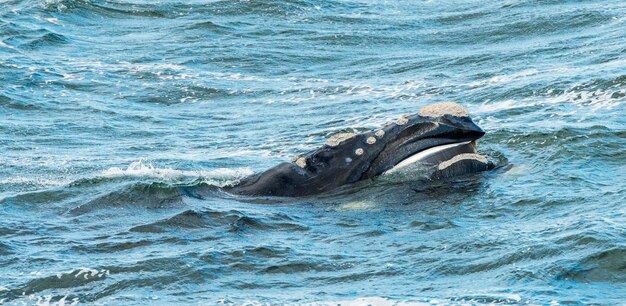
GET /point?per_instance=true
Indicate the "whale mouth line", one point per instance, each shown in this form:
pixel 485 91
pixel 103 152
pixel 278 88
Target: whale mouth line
pixel 436 154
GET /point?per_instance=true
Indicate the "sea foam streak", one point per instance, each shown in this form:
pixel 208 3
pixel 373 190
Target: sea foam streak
pixel 218 177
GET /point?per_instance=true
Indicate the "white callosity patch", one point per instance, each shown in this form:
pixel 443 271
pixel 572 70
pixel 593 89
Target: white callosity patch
pixel 444 108
pixel 338 138
pixel 371 140
pixel 380 133
pixel 402 120
pixel 301 162
pixel 460 157
pixel 359 152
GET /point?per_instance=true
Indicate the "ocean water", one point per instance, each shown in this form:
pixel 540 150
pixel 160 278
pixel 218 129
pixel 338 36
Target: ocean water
pixel 120 120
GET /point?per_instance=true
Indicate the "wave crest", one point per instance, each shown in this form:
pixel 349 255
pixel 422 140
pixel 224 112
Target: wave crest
pixel 219 177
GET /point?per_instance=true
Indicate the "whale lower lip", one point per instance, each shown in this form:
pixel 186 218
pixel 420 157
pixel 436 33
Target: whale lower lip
pixel 435 155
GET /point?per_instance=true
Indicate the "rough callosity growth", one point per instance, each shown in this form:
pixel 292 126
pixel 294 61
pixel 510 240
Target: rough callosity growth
pixel 403 120
pixel 301 162
pixel 338 138
pixel 460 157
pixel 444 108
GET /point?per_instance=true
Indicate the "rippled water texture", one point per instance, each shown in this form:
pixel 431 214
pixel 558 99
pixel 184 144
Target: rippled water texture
pixel 119 120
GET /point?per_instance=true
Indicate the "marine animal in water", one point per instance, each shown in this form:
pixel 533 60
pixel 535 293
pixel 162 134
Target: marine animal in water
pixel 441 136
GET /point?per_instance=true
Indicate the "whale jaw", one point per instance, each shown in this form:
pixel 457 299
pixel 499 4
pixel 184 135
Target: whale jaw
pixel 435 155
pixel 445 161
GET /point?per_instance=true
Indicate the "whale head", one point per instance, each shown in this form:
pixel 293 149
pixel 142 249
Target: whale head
pixel 349 158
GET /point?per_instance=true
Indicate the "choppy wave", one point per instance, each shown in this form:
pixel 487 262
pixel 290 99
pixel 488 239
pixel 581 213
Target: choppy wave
pixel 232 221
pixel 108 8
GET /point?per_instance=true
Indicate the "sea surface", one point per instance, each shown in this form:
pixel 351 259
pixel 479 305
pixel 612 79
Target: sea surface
pixel 120 120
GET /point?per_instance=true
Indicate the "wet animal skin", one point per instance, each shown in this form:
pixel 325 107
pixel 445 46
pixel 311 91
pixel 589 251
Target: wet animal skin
pixel 349 158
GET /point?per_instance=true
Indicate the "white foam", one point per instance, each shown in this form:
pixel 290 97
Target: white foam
pixel 488 107
pixel 87 273
pixel 3 44
pixel 219 177
pixel 42 300
pixel 58 3
pixel 297 90
pixel 242 77
pixel 586 103
pixel 382 301
pixel 505 78
pixel 152 66
pixel 356 205
pixel 34 181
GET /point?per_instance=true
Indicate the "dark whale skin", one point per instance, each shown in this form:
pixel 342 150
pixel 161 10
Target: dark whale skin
pixel 332 166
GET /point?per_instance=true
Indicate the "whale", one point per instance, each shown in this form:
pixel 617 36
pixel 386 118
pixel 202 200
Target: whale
pixel 440 137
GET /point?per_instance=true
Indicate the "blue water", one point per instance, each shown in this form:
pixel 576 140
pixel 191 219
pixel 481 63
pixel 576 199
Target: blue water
pixel 120 119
